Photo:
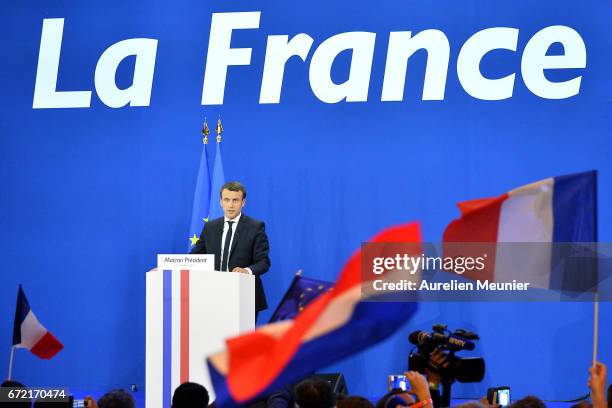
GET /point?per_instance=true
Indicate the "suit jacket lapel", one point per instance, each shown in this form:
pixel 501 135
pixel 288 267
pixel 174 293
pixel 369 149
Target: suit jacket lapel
pixel 219 239
pixel 237 232
pixel 220 231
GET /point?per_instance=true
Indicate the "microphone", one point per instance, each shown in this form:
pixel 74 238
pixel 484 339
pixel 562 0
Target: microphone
pixel 452 341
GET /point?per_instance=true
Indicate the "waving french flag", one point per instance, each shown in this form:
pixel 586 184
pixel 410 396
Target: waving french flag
pixel 555 210
pixel 30 334
pixel 337 324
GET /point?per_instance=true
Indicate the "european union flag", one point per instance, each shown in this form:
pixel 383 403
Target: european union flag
pixel 301 292
pixel 201 197
pixel 218 179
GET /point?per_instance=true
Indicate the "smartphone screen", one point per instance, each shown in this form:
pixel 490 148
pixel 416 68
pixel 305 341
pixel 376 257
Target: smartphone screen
pixel 398 381
pixel 503 397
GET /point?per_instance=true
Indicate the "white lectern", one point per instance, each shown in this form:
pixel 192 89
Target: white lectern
pixel 191 309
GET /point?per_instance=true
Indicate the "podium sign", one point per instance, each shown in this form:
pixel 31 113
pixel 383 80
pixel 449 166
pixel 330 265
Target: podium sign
pixel 191 309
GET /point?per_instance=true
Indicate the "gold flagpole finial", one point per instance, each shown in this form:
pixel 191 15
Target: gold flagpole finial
pixel 219 130
pixel 205 132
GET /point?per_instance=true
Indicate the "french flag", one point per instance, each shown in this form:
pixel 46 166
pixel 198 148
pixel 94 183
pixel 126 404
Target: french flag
pixel 337 324
pixel 30 334
pixel 555 210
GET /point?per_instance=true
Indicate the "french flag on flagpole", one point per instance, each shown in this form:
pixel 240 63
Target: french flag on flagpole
pixel 337 324
pixel 554 210
pixel 30 334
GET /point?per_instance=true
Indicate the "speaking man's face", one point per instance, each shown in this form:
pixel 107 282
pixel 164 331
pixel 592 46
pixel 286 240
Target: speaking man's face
pixel 232 203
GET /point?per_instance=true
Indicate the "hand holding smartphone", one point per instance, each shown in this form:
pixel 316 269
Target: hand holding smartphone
pixel 499 396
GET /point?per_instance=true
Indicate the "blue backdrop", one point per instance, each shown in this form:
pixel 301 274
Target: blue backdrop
pixel 91 195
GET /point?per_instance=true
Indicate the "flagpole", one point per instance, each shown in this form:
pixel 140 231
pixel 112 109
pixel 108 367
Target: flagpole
pixel 10 370
pixel 595 326
pixel 596 299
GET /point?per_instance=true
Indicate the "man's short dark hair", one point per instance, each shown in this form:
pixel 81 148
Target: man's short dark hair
pixel 12 384
pixel 233 186
pixel 190 395
pixel 392 399
pixel 116 399
pixel 313 393
pixel 528 402
pixel 355 401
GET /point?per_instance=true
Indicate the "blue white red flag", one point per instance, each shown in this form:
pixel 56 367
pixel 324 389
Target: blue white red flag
pixel 555 210
pixel 339 323
pixel 28 333
pixel 201 197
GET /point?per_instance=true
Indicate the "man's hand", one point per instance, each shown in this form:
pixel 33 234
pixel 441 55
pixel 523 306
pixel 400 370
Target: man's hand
pixel 597 384
pixel 241 270
pixel 90 402
pixel 418 385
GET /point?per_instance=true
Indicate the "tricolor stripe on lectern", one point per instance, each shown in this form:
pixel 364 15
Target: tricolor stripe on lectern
pixel 167 336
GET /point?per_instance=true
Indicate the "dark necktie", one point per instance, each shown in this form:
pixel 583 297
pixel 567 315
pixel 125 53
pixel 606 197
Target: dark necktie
pixel 226 248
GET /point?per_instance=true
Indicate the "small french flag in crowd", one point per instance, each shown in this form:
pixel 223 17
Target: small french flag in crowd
pixel 30 334
pixel 552 211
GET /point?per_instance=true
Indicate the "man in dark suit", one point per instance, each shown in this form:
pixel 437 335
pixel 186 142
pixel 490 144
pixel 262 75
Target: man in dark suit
pixel 239 242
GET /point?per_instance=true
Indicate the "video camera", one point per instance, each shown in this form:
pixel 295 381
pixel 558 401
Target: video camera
pixel 435 352
pixel 462 369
